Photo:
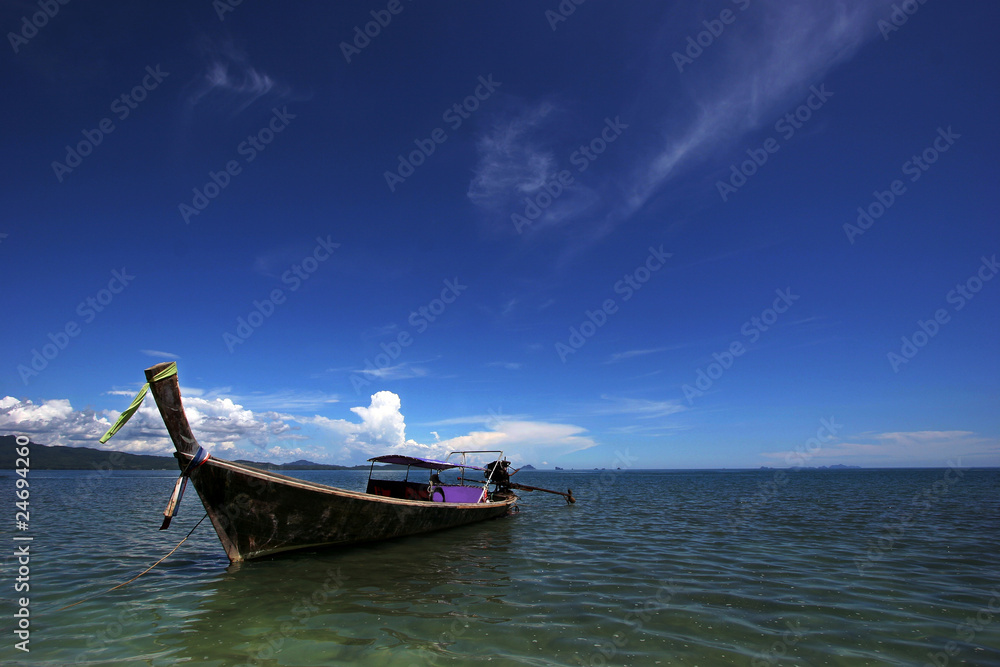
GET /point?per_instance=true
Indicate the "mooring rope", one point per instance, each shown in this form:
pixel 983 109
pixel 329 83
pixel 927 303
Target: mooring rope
pixel 91 597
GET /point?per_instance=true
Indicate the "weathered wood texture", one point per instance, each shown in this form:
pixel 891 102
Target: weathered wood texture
pixel 167 394
pixel 258 513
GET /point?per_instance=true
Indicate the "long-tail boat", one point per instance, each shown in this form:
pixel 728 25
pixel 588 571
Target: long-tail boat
pixel 258 513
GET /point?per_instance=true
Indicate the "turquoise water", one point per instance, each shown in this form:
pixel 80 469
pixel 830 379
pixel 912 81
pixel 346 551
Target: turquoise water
pixel 871 567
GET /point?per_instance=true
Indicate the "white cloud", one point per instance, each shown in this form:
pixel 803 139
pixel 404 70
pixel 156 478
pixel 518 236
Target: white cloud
pixel 773 52
pixel 516 161
pixel 631 354
pixel 640 407
pixel 382 431
pixel 31 418
pixel 227 428
pixel 219 424
pixel 229 82
pixel 401 371
pixel 286 400
pixel 383 421
pixel 158 353
pixel 760 66
pixel 511 159
pixel 508 365
pixel 524 441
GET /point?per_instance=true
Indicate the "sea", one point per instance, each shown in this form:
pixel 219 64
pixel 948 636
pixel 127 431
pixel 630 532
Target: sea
pixel 756 568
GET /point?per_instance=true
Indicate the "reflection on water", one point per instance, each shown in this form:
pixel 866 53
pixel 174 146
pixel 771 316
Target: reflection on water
pixel 836 568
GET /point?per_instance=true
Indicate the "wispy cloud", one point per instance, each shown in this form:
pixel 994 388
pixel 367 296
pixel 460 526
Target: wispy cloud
pixel 517 162
pixel 401 371
pixel 775 50
pixel 895 449
pixel 639 407
pixel 287 400
pixel 756 69
pixel 476 419
pixel 508 365
pixel 228 81
pixel 524 441
pixel 632 354
pixel 158 353
pixel 512 159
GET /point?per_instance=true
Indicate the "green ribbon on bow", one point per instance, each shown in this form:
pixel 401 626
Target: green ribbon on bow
pixel 171 369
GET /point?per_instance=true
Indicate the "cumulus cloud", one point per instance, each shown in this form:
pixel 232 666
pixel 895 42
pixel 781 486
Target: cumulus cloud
pixel 218 423
pixel 382 419
pixel 72 427
pixel 228 429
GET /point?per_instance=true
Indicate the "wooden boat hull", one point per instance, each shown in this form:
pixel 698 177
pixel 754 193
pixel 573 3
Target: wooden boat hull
pixel 258 513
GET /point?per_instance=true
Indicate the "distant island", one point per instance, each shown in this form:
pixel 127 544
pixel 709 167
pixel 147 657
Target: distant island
pixel 835 466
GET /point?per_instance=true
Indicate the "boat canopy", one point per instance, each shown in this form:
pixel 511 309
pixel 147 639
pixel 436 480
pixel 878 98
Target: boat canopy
pixel 433 464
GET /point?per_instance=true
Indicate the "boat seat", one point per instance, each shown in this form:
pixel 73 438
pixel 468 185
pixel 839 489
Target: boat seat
pixel 395 488
pixel 457 494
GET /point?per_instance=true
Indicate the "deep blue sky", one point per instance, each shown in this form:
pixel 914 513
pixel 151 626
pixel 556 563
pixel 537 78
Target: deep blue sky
pixel 831 100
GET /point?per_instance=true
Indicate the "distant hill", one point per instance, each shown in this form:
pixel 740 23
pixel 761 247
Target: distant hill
pixel 58 457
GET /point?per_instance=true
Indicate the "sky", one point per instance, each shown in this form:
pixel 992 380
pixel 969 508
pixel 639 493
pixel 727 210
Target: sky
pixel 724 234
